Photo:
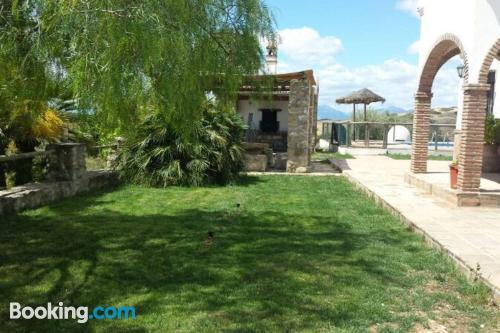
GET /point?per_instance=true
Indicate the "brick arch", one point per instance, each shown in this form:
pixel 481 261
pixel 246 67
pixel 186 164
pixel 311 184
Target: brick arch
pixel 446 47
pixel 493 53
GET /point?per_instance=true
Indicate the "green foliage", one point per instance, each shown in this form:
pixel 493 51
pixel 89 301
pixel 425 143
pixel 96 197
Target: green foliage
pixel 25 78
pixel 492 131
pixel 385 116
pixel 158 156
pixel 123 58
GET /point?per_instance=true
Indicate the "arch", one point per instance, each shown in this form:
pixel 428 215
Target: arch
pixel 494 53
pixel 446 47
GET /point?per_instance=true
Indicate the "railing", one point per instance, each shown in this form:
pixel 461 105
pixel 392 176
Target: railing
pixel 376 134
pixel 21 156
pixel 9 168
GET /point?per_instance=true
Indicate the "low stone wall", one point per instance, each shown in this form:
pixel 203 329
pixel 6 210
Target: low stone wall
pixel 67 177
pixel 35 195
pixel 256 162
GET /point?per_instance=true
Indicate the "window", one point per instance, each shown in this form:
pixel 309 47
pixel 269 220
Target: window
pixel 269 123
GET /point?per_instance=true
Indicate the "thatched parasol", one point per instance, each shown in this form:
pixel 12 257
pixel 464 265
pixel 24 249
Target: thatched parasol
pixel 365 97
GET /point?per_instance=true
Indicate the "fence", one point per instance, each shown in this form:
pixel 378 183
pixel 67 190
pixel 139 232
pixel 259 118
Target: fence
pixel 376 134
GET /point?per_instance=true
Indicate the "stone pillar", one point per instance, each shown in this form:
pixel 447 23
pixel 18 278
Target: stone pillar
pixel 315 121
pixel 299 126
pixel 68 161
pixel 470 159
pixel 420 139
pixel 114 152
pixel 311 126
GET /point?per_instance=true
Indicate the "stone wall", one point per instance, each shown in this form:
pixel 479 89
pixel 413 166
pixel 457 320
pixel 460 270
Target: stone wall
pixel 314 128
pixel 67 177
pixel 299 126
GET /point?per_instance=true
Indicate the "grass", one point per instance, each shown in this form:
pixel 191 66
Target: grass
pixel 299 254
pixel 429 157
pixel 320 156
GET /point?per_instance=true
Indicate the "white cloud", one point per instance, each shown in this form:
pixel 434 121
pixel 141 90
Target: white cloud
pixel 409 6
pixel 306 45
pixel 414 47
pixel 394 79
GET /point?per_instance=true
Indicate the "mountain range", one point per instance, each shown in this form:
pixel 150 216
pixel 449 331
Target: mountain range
pixel 394 109
pixel 328 112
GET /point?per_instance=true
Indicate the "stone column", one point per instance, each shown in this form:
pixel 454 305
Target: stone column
pixel 311 133
pixel 470 159
pixel 68 161
pixel 114 152
pixel 298 126
pixel 420 139
pixel 315 121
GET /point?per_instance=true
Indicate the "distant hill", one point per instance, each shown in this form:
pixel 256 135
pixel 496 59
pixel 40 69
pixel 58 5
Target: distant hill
pixel 393 109
pixel 327 112
pixel 442 115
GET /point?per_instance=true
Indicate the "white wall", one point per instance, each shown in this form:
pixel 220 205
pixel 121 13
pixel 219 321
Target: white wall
pixel 245 107
pixel 475 22
pixel 477 25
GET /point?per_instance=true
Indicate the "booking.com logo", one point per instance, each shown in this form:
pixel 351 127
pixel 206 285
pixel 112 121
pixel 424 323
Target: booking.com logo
pixel 81 313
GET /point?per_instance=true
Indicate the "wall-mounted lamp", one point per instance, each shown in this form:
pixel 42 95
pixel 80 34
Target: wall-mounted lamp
pixel 460 71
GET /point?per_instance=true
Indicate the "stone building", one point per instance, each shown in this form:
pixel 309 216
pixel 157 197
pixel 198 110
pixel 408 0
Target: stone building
pixel 471 30
pixel 280 111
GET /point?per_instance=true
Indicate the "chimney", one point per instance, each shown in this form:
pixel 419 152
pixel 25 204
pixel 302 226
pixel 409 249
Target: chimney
pixel 272 57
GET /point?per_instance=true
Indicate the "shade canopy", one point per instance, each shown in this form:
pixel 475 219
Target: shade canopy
pixel 363 96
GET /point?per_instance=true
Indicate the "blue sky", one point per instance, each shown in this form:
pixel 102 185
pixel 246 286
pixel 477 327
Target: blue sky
pixel 356 44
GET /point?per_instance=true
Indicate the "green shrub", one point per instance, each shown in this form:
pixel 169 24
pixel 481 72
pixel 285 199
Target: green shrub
pixel 492 131
pixel 158 156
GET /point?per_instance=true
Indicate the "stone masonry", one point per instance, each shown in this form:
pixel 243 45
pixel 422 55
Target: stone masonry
pixel 67 177
pixel 421 122
pixel 68 161
pixel 299 127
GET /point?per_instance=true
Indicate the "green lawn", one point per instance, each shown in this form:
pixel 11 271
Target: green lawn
pixel 300 254
pixel 320 157
pixel 429 157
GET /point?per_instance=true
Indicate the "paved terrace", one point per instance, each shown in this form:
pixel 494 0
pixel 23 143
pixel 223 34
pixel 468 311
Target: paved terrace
pixel 470 235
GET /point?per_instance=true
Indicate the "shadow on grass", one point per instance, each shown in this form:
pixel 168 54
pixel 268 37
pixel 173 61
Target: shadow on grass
pixel 256 267
pixel 277 263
